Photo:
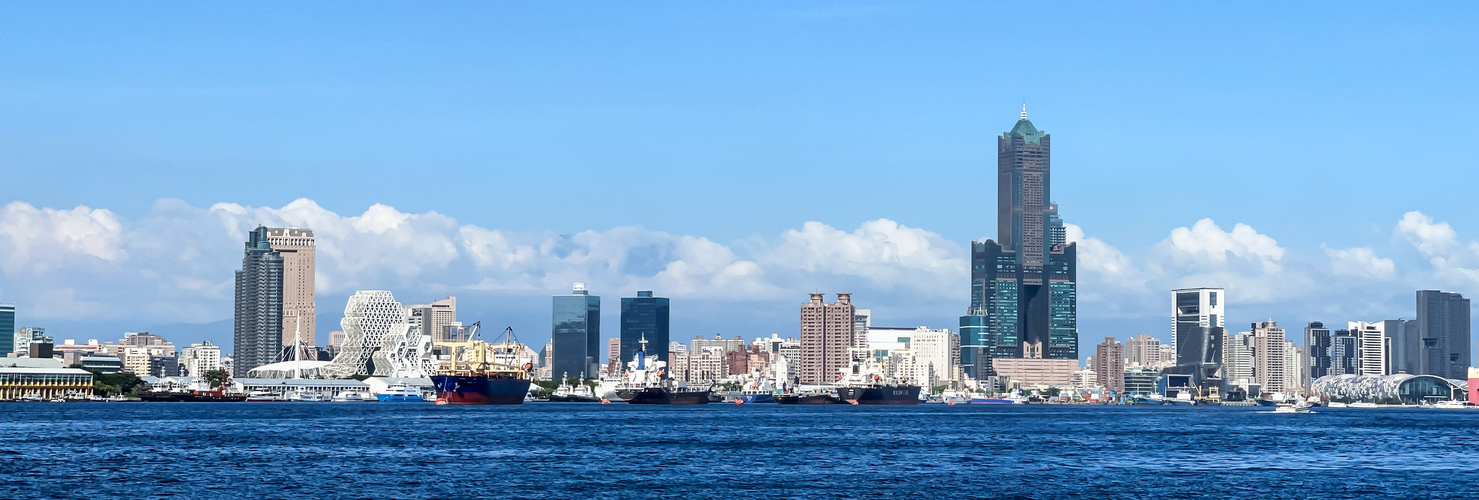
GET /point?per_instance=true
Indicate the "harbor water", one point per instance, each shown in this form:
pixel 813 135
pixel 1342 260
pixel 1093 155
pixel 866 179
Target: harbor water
pixel 572 450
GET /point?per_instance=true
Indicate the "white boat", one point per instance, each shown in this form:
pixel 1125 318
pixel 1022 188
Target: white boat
pixel 31 398
pixel 56 400
pixel 263 397
pixel 350 397
pixel 1361 404
pixel 1451 405
pixel 400 393
pixel 306 396
pixel 1335 404
pixel 1291 408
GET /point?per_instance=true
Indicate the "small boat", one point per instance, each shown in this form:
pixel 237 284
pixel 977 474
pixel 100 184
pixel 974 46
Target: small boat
pixel 350 397
pixel 1452 405
pixel 31 398
pixel 1291 408
pixel 579 393
pixel 1361 404
pixel 400 393
pixel 307 397
pixel 263 397
pixel 56 400
pixel 1335 404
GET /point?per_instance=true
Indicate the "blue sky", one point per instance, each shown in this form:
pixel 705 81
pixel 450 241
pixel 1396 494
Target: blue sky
pixel 757 145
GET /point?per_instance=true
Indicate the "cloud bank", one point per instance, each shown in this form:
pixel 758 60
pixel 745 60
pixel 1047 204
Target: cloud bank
pixel 175 263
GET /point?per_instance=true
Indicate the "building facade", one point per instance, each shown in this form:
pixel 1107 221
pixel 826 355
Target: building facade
pixel 1143 351
pixel 296 247
pixel 7 329
pixel 1109 358
pixel 199 358
pixel 1345 353
pixel 1268 356
pixel 826 336
pixel 1023 284
pixel 1317 345
pixel 577 334
pixel 1443 331
pixel 644 315
pixel 370 316
pixel 1237 359
pixel 257 325
pixel 1197 332
pixel 1373 347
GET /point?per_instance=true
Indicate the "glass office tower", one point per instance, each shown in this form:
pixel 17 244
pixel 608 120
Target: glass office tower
pixel 576 334
pixel 644 316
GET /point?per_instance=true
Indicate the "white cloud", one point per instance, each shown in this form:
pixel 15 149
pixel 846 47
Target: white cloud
pixel 1431 239
pixel 1111 265
pixel 37 240
pixel 881 252
pixel 1206 244
pixel 1360 262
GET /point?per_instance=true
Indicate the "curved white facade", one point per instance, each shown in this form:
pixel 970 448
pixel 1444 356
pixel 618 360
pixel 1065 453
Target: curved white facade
pixel 369 318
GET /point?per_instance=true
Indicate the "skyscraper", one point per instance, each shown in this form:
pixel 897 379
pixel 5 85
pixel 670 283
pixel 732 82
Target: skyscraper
pixel 1317 342
pixel 296 247
pixel 1345 350
pixel 7 328
pixel 826 336
pixel 1443 326
pixel 1373 347
pixel 1268 356
pixel 1023 284
pixel 1197 333
pixel 257 328
pixel 1237 359
pixel 1143 351
pixel 644 315
pixel 1109 361
pixel 576 334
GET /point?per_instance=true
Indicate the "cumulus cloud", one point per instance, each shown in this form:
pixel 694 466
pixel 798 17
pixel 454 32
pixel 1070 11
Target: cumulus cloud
pixel 1360 262
pixel 1110 265
pixel 1451 262
pixel 1432 239
pixel 880 252
pixel 39 240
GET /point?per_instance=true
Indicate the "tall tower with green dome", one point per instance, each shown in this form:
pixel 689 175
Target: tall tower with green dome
pixel 1023 283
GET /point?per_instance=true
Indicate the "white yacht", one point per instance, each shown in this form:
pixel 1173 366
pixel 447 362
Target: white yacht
pixel 350 397
pixel 263 397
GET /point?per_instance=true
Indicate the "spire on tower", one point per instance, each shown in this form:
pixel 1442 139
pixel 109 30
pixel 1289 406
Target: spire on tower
pixel 1024 111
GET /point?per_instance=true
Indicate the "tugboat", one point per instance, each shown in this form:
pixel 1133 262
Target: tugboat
pixel 579 393
pixel 479 373
pixel 645 382
pixel 863 384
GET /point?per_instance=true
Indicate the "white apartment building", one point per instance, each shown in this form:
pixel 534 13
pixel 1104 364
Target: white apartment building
pixel 1372 347
pixel 199 358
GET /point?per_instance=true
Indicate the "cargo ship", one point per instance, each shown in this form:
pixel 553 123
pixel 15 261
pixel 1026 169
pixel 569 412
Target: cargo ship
pixel 480 373
pixel 863 383
pixel 645 382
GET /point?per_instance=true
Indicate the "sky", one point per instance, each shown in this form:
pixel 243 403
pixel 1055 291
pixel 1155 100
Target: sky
pixel 1315 159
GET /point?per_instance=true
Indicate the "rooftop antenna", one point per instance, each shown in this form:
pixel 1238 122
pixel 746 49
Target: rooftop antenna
pixel 1024 109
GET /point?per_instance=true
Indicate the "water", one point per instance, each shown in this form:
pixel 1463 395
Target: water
pixel 560 450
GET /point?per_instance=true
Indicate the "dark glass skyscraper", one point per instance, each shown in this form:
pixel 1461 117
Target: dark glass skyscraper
pixel 644 316
pixel 257 330
pixel 1317 342
pixel 1023 284
pixel 576 334
pixel 1443 326
pixel 7 329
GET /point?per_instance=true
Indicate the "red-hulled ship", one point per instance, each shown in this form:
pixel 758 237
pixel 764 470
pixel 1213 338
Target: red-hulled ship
pixel 479 373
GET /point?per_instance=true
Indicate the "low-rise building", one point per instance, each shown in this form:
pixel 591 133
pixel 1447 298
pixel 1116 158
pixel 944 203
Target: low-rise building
pixel 1141 381
pixel 1031 372
pixel 46 378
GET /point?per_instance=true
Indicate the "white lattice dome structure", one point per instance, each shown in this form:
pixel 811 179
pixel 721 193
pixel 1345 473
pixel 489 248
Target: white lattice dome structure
pixel 369 317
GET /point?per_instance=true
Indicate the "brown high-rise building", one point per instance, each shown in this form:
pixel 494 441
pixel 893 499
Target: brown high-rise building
pixel 296 247
pixel 1109 364
pixel 826 336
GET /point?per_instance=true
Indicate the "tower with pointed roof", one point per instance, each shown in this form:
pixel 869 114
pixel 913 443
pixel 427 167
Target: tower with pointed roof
pixel 1023 283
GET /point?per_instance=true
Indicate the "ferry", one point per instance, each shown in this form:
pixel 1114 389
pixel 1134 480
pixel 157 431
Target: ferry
pixel 400 393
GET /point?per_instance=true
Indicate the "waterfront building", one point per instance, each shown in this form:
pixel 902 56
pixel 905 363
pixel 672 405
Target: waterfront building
pixel 1402 388
pixel 1143 350
pixel 296 247
pixel 1023 283
pixel 1296 374
pixel 27 336
pixel 370 316
pixel 44 377
pixel 1141 381
pixel 1237 359
pixel 576 334
pixel 1373 346
pixel 1344 353
pixel 258 320
pixel 1317 345
pixel 645 315
pixel 1268 356
pixel 1404 346
pixel 1032 372
pixel 1109 363
pixel 826 336
pixel 7 329
pixel 1443 329
pixel 1196 334
pixel 199 358
pixel 1084 379
pixel 613 355
pixel 438 319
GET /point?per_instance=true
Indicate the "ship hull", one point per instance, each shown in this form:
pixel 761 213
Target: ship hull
pixel 185 397
pixel 992 401
pixel 476 390
pixel 660 396
pixel 757 398
pixel 808 399
pixel 883 395
pixel 573 399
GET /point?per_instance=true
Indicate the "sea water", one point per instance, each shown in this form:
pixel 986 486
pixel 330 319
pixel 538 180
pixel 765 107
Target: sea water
pixel 572 450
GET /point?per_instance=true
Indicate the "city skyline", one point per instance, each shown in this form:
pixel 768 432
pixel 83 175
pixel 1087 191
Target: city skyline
pixel 773 182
